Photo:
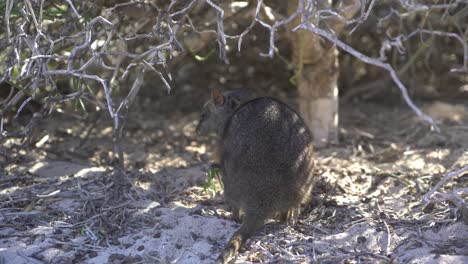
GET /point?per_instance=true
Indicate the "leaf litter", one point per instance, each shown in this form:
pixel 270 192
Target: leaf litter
pixel 58 205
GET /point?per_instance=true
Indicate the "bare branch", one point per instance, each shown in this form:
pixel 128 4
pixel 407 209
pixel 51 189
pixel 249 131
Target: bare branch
pixel 375 62
pixel 8 7
pixel 448 176
pixel 221 35
pixel 34 52
pixel 73 8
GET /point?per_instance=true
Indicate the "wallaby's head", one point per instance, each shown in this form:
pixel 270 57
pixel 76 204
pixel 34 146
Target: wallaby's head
pixel 218 110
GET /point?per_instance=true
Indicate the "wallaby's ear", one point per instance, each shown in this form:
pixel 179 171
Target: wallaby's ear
pixel 217 96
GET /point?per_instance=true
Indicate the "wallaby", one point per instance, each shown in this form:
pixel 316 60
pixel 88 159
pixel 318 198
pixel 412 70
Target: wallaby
pixel 266 160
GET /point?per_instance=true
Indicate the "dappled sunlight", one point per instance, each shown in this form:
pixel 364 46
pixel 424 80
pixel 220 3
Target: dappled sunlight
pixel 198 149
pixel 58 169
pixel 439 154
pixel 361 183
pixel 100 161
pixel 447 112
pixel 8 190
pixel 147 207
pixel 418 162
pixel 415 162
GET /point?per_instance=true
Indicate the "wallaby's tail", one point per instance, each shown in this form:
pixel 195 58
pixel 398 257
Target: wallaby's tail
pixel 237 240
pixel 251 224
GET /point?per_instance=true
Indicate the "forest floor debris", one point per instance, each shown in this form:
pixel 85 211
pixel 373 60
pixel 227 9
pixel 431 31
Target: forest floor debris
pixel 57 204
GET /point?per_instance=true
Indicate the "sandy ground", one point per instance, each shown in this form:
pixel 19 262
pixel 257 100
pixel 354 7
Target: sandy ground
pixel 58 203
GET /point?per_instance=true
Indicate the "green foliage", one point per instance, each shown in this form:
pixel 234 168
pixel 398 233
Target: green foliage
pixel 300 63
pixel 49 12
pixel 200 57
pixel 14 11
pixel 56 11
pixel 212 174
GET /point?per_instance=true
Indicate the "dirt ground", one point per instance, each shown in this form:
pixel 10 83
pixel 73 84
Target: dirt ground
pixel 58 203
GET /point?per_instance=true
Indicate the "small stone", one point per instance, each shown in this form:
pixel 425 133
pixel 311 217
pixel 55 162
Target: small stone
pixel 38 257
pixel 128 260
pixel 382 215
pixel 66 247
pixel 140 248
pixel 361 239
pixel 460 243
pixel 21 228
pixel 116 256
pixel 115 242
pixel 197 211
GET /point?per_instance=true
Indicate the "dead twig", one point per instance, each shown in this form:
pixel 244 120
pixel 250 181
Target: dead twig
pixel 448 176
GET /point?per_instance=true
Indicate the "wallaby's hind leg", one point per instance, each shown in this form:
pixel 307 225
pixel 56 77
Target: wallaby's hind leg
pixel 252 222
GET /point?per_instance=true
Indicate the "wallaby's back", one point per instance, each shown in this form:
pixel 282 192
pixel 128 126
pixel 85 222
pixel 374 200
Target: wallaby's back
pixel 266 154
pixel 266 159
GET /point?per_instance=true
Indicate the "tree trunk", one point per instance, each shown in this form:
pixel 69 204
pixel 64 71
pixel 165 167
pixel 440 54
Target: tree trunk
pixel 317 77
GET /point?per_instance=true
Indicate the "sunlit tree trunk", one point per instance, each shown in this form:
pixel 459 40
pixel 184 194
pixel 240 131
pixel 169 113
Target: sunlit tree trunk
pixel 317 74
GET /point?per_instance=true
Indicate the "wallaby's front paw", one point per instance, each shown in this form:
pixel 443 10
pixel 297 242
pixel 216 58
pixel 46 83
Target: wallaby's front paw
pixel 289 217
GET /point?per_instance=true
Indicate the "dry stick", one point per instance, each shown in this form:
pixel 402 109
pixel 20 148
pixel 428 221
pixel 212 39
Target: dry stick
pixel 250 27
pixel 220 29
pixel 239 37
pixel 28 259
pixel 372 85
pixel 455 198
pixel 31 12
pixel 364 16
pixel 421 7
pixel 448 176
pixel 25 102
pixel 41 11
pixel 265 251
pixel 444 34
pixel 387 242
pixel 328 13
pixel 70 58
pixel 376 62
pixel 8 7
pixel 117 135
pixel 276 25
pixel 77 245
pixel 183 10
pixel 169 45
pixel 73 8
pixel 306 9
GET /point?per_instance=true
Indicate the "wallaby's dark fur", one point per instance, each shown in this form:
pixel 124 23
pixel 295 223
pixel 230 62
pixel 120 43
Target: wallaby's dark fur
pixel 266 159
